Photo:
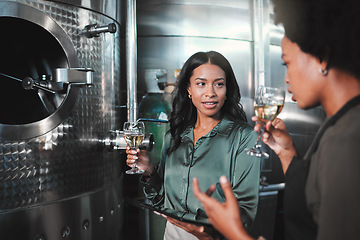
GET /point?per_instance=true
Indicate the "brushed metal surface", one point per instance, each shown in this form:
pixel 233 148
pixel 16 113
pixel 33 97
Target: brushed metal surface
pixel 196 19
pixel 68 218
pixel 170 53
pixel 109 8
pixel 60 170
pixel 67 160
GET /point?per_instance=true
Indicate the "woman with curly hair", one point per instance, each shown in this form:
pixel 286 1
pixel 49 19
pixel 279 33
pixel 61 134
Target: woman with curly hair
pixel 207 138
pixel 321 52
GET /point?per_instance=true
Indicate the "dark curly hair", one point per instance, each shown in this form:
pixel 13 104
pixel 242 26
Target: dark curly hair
pixel 326 29
pixel 184 113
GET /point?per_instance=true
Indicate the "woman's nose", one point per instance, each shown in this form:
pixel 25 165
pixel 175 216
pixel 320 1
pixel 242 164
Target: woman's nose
pixel 210 92
pixel 286 78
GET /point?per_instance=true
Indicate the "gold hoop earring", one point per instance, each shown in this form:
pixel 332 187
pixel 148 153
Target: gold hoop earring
pixel 189 96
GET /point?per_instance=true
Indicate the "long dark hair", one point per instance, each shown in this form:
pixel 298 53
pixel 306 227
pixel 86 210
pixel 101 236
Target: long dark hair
pixel 184 113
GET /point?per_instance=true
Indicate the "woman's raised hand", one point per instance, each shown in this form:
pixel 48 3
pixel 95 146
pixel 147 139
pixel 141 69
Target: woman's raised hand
pixel 225 217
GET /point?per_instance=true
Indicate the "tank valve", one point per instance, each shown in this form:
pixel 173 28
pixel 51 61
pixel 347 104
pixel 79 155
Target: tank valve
pixel 93 30
pixel 115 141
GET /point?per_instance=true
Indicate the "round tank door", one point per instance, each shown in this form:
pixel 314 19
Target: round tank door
pixel 39 72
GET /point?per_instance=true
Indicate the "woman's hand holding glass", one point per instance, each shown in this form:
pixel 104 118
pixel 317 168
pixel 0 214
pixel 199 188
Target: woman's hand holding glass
pixel 268 103
pixel 278 139
pixel 134 133
pixel 140 158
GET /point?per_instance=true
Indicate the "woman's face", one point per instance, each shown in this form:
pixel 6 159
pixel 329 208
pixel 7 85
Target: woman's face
pixel 208 90
pixel 303 77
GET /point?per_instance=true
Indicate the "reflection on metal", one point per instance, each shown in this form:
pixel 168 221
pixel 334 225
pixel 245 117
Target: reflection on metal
pixel 195 18
pixel 69 218
pixel 169 32
pixel 131 60
pixel 272 187
pixel 261 43
pixel 107 7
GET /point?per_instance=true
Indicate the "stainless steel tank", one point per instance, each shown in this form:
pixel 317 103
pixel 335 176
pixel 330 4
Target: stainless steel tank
pixel 60 85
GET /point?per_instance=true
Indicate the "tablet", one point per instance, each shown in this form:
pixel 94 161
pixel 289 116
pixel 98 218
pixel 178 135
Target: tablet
pixel 140 203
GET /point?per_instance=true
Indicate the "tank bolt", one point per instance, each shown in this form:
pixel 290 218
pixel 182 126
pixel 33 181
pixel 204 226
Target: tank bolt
pixel 111 212
pixel 86 224
pixel 101 219
pixel 65 232
pixel 39 237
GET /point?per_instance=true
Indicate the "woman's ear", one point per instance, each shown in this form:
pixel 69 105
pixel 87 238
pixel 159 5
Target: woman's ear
pixel 189 90
pixel 324 59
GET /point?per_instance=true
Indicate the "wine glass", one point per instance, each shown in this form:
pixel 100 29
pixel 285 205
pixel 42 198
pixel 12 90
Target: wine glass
pixel 268 104
pixel 134 133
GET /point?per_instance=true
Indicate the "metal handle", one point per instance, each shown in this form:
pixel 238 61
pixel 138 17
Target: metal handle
pixel 93 30
pixel 78 76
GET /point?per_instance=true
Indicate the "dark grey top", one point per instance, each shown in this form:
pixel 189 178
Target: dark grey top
pixel 333 184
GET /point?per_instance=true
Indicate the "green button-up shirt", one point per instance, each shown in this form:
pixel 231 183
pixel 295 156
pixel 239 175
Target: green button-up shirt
pixel 220 152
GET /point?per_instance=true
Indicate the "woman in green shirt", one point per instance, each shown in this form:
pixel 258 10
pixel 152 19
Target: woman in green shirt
pixel 207 138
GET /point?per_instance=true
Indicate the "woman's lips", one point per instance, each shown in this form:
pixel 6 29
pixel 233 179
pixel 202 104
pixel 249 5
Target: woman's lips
pixel 209 104
pixel 292 98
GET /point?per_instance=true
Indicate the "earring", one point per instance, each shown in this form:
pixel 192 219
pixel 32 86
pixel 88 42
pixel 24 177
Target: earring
pixel 189 96
pixel 323 72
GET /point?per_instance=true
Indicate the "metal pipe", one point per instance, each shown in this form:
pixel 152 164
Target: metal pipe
pixel 259 62
pixel 131 60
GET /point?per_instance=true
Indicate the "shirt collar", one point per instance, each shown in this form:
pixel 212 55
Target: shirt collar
pixel 223 127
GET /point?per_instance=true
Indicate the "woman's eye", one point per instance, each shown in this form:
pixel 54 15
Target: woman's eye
pixel 200 84
pixel 220 84
pixel 284 64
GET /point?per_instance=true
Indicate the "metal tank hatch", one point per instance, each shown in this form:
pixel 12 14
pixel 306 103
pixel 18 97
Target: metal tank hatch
pixel 39 73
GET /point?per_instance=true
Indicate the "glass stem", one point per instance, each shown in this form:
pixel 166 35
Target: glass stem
pixel 259 136
pixel 134 167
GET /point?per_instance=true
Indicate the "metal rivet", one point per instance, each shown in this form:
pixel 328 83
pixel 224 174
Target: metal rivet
pixel 65 232
pixel 101 219
pixel 39 237
pixel 85 224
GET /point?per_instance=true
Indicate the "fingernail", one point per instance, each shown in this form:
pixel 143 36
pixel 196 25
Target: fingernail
pixel 223 179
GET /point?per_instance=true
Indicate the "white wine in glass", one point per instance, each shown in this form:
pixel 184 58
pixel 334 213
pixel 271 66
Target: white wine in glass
pixel 134 133
pixel 268 104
